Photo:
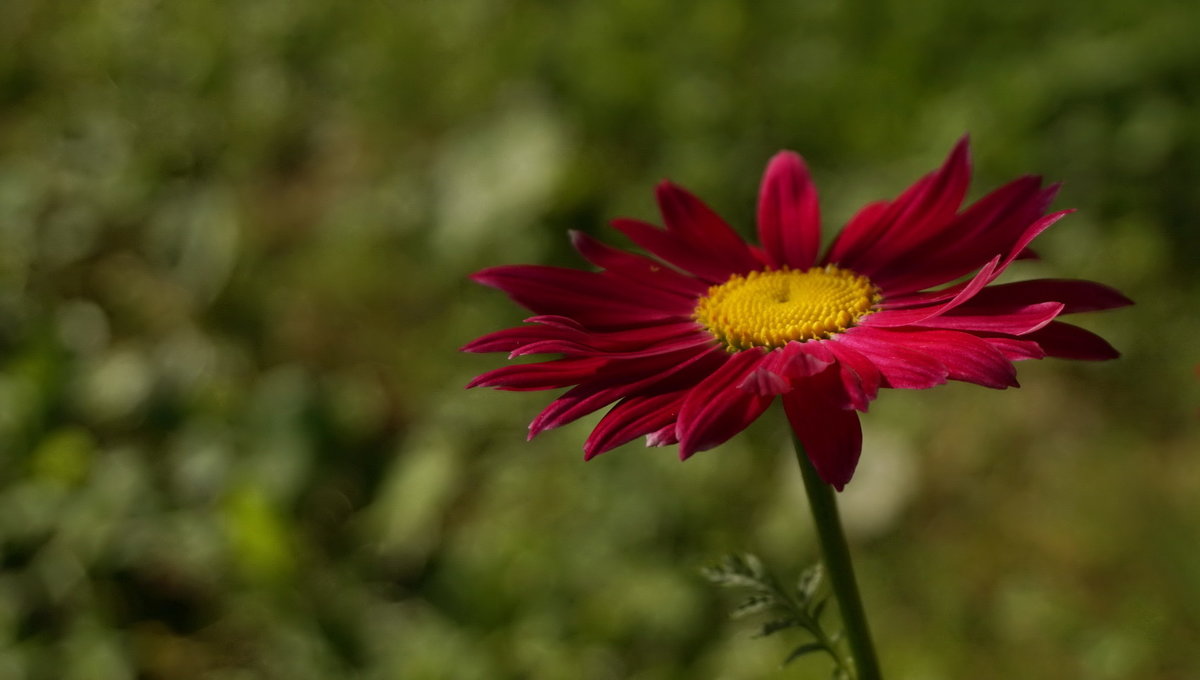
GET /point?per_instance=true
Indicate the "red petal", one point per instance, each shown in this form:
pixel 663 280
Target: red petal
pixel 901 367
pixel 1065 341
pixel 688 218
pixel 764 382
pixel 860 377
pixel 889 318
pixel 626 378
pixel 923 218
pixel 716 409
pixel 866 225
pixel 556 321
pixel 559 335
pixel 789 217
pixel 587 297
pixel 633 338
pixel 978 235
pixel 692 339
pixel 832 437
pixel 632 418
pixel 1017 321
pixel 511 339
pixel 966 357
pixel 545 375
pixel 1016 350
pixel 670 248
pixel 783 367
pixel 1076 296
pixel 637 267
pixel 664 436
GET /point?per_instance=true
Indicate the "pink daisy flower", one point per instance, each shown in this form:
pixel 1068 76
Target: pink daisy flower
pixel 692 344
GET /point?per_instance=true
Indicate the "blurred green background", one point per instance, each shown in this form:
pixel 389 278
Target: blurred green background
pixel 234 238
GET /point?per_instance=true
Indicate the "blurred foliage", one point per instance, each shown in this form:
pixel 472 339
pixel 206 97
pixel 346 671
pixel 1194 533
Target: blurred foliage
pixel 234 238
pixel 787 608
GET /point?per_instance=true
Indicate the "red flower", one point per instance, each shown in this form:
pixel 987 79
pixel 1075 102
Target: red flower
pixel 694 343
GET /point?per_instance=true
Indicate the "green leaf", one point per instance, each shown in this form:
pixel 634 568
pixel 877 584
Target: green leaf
pixel 736 571
pixel 810 581
pixel 754 566
pixel 753 605
pixel 777 625
pixel 819 609
pixel 731 580
pixel 800 651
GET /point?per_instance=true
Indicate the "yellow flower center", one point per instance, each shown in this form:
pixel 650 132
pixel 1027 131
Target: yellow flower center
pixel 771 308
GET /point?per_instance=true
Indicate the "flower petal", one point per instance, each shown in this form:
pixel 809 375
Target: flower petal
pixel 544 375
pixel 587 297
pixel 626 378
pixel 831 436
pixel 692 338
pixel 900 366
pixel 715 410
pixel 1014 349
pixel 928 211
pixel 889 318
pixel 865 225
pixel 631 418
pixel 688 218
pixel 1017 321
pixel 512 339
pixel 637 267
pixel 1075 295
pixel 664 436
pixel 860 377
pixel 978 235
pixel 1065 341
pixel 789 217
pixel 556 335
pixel 781 368
pixel 932 200
pixel 674 250
pixel 966 357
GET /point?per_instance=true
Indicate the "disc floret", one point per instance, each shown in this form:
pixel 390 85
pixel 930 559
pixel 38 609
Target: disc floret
pixel 774 307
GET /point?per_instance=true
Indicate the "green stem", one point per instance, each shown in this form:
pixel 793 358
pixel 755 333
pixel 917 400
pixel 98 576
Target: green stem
pixel 838 568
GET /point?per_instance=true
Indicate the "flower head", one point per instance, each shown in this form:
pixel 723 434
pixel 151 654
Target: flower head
pixel 694 342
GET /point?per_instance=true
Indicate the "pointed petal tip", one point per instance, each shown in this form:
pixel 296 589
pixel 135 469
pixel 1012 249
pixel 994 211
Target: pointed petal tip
pixel 1109 354
pixel 1117 298
pixel 687 447
pixel 666 188
pixel 839 478
pixel 962 148
pixel 787 157
pixel 491 277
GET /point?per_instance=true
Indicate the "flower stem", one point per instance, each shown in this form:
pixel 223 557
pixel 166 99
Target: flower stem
pixel 838 568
